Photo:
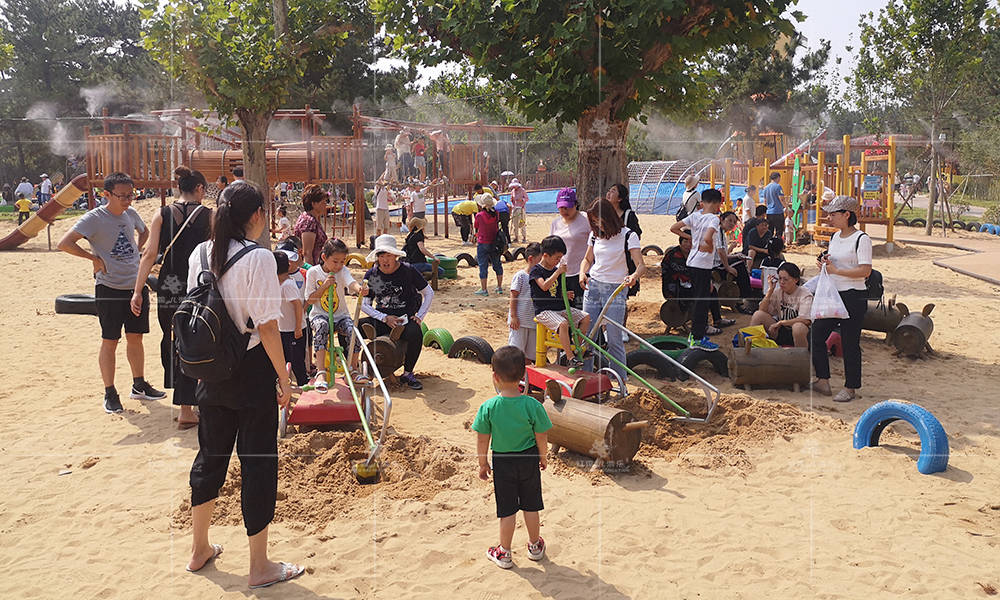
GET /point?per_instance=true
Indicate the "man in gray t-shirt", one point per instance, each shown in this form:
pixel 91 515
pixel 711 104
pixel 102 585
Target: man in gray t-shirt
pixel 110 230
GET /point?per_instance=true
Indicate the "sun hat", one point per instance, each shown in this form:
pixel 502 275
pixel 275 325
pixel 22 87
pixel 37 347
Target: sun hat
pixel 691 181
pixel 485 200
pixel 44 175
pixel 828 195
pixel 416 223
pixel 566 198
pixel 842 203
pixel 385 243
pixel 291 254
pixel 514 183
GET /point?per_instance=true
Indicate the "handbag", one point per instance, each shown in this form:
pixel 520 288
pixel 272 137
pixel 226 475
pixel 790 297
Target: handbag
pixel 171 282
pixel 827 303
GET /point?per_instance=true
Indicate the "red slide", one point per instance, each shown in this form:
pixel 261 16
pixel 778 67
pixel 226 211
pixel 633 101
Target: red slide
pixel 47 214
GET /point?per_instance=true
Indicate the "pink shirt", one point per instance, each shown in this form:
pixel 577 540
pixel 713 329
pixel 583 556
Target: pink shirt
pixel 518 197
pixel 574 235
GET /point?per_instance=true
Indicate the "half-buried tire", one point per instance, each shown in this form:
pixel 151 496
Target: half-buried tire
pixel 652 248
pixel 901 221
pixel 918 222
pixel 692 357
pixel 646 358
pixel 468 258
pixel 933 439
pixel 472 346
pixel 440 338
pixel 76 304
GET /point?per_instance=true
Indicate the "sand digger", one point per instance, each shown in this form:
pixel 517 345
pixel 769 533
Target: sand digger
pixel 345 401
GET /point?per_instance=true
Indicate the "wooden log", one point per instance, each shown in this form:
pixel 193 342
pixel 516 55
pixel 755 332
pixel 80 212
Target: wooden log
pixel 885 318
pixel 913 332
pixel 388 353
pixel 769 367
pixel 596 430
pixel 672 315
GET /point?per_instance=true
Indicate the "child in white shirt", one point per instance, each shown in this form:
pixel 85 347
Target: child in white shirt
pixel 789 227
pixel 521 317
pixel 290 319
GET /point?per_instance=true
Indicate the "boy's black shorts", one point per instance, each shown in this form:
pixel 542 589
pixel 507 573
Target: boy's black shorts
pixel 114 311
pixel 517 482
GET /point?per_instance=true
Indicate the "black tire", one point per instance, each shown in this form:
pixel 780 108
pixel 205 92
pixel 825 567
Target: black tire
pixel 639 358
pixel 718 359
pixel 957 224
pixel 901 221
pixel 652 248
pixel 507 256
pixel 517 253
pixel 472 345
pixel 937 223
pixel 918 222
pixel 973 226
pixel 468 258
pixel 76 304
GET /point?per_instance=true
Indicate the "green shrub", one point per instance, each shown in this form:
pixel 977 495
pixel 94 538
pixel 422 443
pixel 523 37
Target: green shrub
pixel 992 214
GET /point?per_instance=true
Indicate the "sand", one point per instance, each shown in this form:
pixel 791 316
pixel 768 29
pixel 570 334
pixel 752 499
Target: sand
pixel 768 500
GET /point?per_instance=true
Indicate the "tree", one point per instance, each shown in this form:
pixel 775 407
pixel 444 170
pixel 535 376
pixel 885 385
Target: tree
pixel 236 56
pixel 920 57
pixel 593 63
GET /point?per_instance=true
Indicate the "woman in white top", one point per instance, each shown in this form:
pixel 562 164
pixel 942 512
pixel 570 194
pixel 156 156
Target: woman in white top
pixel 573 227
pixel 244 409
pixel 604 268
pixel 848 261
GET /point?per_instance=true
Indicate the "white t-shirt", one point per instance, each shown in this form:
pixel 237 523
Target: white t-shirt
pixel 300 284
pixel 289 293
pixel 789 227
pixel 284 226
pixel 574 235
pixel 283 186
pixel 749 206
pixel 315 277
pixel 249 288
pixel 609 256
pixel 45 186
pixel 848 253
pixel 382 198
pixel 417 200
pixel 699 223
pixel 25 189
pixel 525 307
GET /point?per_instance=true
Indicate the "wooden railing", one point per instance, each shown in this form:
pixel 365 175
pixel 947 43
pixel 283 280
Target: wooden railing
pixel 149 159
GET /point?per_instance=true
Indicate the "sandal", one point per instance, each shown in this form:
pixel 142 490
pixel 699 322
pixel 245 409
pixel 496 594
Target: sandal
pixel 725 322
pixel 712 330
pixel 821 388
pixel 321 385
pixel 845 395
pixel 288 571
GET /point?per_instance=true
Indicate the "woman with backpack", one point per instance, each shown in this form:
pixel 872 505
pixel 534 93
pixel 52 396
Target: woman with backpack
pixel 617 195
pixel 177 229
pixel 604 268
pixel 848 262
pixel 487 230
pixel 243 408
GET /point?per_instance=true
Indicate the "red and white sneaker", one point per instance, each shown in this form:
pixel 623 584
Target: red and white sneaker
pixel 536 551
pixel 500 556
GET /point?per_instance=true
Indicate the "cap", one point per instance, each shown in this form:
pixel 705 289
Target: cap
pixel 291 254
pixel 566 198
pixel 829 195
pixel 842 203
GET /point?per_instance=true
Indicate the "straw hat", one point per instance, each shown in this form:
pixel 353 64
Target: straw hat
pixel 485 200
pixel 828 195
pixel 385 243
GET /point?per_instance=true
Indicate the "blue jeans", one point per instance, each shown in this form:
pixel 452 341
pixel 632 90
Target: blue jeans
pixel 484 258
pixel 594 298
pixel 425 267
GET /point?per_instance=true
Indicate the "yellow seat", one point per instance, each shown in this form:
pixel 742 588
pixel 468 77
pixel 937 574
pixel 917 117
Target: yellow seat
pixel 545 338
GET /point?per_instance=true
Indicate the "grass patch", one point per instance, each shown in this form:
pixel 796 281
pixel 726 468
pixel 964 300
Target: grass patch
pixel 68 214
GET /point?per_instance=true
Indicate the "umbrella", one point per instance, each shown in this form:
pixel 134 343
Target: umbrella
pixel 507 174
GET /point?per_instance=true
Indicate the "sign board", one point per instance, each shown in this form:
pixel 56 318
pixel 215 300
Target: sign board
pixel 871 190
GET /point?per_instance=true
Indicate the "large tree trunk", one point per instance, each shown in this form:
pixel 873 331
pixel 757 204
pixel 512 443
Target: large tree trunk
pixel 932 180
pixel 600 153
pixel 255 161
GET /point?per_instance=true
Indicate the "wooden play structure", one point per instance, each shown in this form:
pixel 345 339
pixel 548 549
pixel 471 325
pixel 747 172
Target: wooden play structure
pixel 149 148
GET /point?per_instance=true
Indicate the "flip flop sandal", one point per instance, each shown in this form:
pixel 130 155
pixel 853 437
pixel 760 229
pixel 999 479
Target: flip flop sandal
pixel 712 330
pixel 288 572
pixel 322 386
pixel 218 550
pixel 182 425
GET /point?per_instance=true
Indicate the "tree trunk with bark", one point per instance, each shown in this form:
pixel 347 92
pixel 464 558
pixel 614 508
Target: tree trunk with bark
pixel 932 180
pixel 254 127
pixel 600 153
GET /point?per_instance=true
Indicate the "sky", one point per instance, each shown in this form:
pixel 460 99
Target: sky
pixel 836 21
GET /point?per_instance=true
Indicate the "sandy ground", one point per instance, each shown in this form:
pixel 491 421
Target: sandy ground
pixel 770 500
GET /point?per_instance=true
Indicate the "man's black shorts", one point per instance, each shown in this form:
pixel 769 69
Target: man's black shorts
pixel 517 482
pixel 113 312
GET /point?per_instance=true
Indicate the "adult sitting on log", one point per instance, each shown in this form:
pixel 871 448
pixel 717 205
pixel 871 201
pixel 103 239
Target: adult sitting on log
pixel 399 297
pixel 784 312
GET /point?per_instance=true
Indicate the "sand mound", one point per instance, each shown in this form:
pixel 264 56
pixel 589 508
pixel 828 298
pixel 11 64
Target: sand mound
pixel 901 250
pixel 739 425
pixel 316 483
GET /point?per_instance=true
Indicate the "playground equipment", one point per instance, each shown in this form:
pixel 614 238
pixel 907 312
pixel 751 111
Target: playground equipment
pixel 438 337
pixel 344 401
pixel 884 317
pixel 47 214
pixel 914 329
pixel 933 439
pixel 471 346
pixel 769 367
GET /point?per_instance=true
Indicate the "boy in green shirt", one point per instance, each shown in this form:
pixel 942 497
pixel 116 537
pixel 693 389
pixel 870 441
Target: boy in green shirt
pixel 517 424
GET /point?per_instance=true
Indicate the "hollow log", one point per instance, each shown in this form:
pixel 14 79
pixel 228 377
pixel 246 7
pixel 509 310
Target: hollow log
pixel 884 318
pixel 769 367
pixel 388 353
pixel 596 430
pixel 913 332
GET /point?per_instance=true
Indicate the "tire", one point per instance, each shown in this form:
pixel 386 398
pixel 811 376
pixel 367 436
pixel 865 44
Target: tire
pixel 646 358
pixel 937 223
pixel 957 224
pixel 450 274
pixel 423 327
pixel 517 253
pixel 933 439
pixel 901 221
pixel 472 345
pixel 918 222
pixel 438 338
pixel 671 345
pixel 361 259
pixel 652 248
pixel 973 226
pixel 507 256
pixel 446 262
pixel 76 304
pixel 468 258
pixel 985 228
pixel 691 357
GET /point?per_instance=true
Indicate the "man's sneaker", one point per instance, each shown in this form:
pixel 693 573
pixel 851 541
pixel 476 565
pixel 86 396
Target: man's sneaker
pixel 500 556
pixel 410 380
pixel 536 551
pixel 705 344
pixel 112 404
pixel 481 293
pixel 144 391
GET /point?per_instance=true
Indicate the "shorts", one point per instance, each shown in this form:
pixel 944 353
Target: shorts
pixel 320 326
pixel 420 215
pixel 523 338
pixel 553 319
pixel 785 337
pixel 382 219
pixel 114 312
pixel 419 161
pixel 517 482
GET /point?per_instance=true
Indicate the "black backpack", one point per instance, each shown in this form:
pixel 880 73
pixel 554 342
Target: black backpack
pixel 500 243
pixel 209 345
pixel 632 291
pixel 873 282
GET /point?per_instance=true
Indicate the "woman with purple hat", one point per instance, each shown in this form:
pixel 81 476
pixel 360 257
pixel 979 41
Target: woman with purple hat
pixel 574 229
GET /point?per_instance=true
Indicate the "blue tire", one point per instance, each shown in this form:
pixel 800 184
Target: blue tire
pixel 986 227
pixel 933 439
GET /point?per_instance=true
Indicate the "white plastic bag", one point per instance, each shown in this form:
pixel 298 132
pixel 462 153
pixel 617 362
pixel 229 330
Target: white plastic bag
pixel 826 299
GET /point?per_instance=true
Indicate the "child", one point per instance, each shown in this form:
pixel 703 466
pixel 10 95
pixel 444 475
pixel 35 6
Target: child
pixel 521 317
pixel 284 228
pixel 514 425
pixel 546 294
pixel 775 248
pixel 290 320
pixel 23 209
pixel 331 272
pixel 789 226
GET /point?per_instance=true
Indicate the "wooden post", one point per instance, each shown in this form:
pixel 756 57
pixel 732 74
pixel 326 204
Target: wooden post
pixel 820 182
pixel 728 184
pixel 48 231
pixel 890 193
pixel 846 191
pixel 711 174
pixel 359 187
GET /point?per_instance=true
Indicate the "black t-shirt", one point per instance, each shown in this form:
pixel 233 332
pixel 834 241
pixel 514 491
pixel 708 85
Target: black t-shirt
pixel 176 261
pixel 550 300
pixel 632 222
pixel 413 253
pixel 752 238
pixel 397 294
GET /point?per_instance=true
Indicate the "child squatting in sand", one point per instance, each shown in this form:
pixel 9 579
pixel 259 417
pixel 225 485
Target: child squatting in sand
pixel 515 426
